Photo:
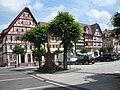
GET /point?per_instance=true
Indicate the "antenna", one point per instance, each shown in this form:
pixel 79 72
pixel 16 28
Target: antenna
pixel 26 5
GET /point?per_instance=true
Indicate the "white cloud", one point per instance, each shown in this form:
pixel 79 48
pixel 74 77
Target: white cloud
pixel 103 2
pixel 96 16
pixel 54 12
pixel 104 26
pixel 37 5
pixel 75 12
pixel 59 8
pixel 103 17
pixel 118 10
pixel 13 5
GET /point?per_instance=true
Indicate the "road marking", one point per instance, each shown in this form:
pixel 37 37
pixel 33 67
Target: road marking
pixel 54 83
pixel 14 79
pixel 37 87
pixel 10 74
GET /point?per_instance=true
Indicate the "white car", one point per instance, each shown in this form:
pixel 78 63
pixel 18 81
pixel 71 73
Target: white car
pixel 70 60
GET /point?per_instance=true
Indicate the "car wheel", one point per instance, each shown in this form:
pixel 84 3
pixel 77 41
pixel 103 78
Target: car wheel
pixel 82 63
pixel 88 63
pixel 107 60
pixel 76 63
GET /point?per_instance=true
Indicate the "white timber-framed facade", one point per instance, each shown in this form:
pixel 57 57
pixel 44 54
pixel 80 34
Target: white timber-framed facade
pixel 11 36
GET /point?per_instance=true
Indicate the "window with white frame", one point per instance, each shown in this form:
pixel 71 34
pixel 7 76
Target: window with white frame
pixel 26 22
pixel 8 37
pixel 28 46
pixel 26 14
pixel 13 38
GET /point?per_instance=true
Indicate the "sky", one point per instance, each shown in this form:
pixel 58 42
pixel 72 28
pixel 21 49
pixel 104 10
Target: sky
pixel 84 11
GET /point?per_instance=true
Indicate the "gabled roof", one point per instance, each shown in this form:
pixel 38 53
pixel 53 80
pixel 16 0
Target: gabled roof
pixel 86 25
pixel 107 31
pixel 94 27
pixel 14 21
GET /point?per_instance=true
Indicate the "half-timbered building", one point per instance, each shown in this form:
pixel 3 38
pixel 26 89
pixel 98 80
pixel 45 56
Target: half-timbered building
pixel 92 38
pixel 12 36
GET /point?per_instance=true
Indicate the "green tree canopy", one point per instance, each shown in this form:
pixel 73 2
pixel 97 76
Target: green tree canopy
pixel 38 36
pixel 103 49
pixel 18 49
pixel 84 50
pixel 43 52
pixel 57 52
pixel 106 49
pixel 109 48
pixel 65 27
pixel 115 20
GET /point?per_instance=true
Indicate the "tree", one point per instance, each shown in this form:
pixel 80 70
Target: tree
pixel 109 48
pixel 103 49
pixel 34 53
pixel 65 27
pixel 18 50
pixel 36 35
pixel 84 50
pixel 115 20
pixel 43 52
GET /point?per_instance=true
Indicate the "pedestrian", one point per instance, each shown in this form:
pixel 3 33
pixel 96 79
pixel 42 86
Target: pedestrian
pixel 34 63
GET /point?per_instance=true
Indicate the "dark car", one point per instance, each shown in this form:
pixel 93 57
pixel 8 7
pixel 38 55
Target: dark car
pixel 107 57
pixel 85 59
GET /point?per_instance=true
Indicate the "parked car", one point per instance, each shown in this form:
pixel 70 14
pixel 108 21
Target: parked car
pixel 70 60
pixel 85 59
pixel 118 56
pixel 107 57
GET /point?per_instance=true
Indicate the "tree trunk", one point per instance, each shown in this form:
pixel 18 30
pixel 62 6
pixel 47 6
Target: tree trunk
pixel 65 58
pixel 39 56
pixel 49 59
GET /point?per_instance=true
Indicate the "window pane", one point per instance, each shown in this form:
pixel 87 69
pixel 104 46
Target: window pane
pixel 8 46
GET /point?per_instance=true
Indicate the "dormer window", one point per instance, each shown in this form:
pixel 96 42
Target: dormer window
pixel 86 29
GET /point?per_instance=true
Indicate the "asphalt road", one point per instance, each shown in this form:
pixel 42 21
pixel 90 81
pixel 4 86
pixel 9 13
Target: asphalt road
pixel 18 79
pixel 98 76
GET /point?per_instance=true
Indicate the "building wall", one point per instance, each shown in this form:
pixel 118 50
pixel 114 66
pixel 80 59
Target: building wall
pixel 22 23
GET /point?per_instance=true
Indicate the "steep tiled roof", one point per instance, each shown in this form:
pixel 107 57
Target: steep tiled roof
pixel 88 26
pixel 94 27
pixel 108 31
pixel 14 21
